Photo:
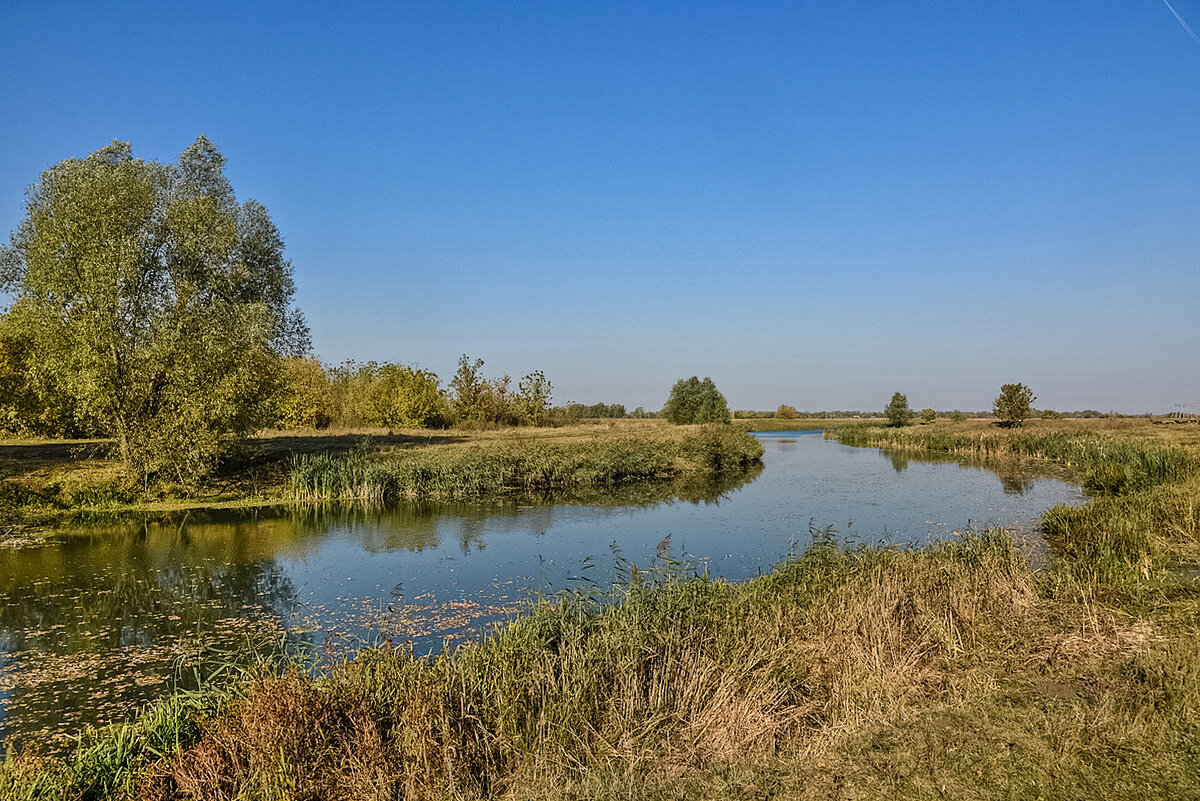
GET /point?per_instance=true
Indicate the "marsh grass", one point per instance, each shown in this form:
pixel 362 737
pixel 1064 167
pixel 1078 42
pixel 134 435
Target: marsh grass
pixel 1107 463
pixel 521 466
pixel 952 671
pixel 868 673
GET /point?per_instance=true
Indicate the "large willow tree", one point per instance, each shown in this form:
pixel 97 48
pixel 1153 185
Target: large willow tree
pixel 155 301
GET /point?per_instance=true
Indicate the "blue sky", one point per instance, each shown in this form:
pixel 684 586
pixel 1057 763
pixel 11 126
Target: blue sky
pixel 813 203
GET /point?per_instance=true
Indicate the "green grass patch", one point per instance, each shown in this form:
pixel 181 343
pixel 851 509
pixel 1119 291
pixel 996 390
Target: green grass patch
pixel 509 467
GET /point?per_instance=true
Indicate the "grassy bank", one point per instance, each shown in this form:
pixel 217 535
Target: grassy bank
pixel 611 459
pixel 1144 511
pixel 949 672
pixel 43 483
pixel 771 424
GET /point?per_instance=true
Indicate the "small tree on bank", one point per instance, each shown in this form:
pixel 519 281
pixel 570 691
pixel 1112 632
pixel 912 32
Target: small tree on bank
pixel 785 412
pixel 533 398
pixel 1014 405
pixel 928 416
pixel 696 401
pixel 897 411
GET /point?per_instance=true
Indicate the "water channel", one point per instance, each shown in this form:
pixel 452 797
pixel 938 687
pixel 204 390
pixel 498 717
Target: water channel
pixel 101 619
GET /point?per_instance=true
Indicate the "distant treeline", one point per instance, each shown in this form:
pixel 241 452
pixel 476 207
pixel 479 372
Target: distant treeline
pixel 388 395
pixel 310 394
pixel 788 412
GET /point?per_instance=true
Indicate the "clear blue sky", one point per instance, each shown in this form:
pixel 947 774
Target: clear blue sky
pixel 813 203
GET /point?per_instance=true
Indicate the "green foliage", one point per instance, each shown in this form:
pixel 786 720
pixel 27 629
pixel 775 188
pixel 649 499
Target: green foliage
pixel 579 411
pixel 694 400
pixel 785 412
pixel 1050 414
pixel 31 401
pixel 155 302
pixel 386 395
pixel 1014 405
pixel 475 400
pixel 897 411
pixel 306 400
pixel 958 416
pixel 928 416
pixel 533 398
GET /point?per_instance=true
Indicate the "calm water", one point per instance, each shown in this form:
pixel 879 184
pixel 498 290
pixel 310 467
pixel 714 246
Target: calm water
pixel 100 619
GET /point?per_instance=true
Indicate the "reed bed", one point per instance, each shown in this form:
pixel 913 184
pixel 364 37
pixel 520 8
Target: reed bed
pixel 513 467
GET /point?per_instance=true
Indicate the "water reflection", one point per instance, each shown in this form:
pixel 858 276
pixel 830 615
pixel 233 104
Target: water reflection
pixel 1016 477
pixel 95 623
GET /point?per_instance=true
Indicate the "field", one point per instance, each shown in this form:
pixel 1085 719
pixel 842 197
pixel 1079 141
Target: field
pixel 956 671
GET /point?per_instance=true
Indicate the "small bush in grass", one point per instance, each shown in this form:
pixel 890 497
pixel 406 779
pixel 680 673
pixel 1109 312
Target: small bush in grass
pixel 1014 405
pixel 897 412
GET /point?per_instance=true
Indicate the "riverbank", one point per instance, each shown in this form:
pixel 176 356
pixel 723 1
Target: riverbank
pixel 1144 482
pixel 955 671
pixel 44 483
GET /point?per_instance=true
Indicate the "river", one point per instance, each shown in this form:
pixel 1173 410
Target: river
pixel 100 619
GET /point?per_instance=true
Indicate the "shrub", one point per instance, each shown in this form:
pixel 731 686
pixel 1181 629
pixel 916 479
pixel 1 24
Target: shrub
pixel 1014 405
pixel 696 401
pixel 897 411
pixel 928 416
pixel 306 400
pixel 785 412
pixel 387 395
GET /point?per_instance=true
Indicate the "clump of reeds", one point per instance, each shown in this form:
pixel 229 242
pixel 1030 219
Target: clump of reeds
pixel 497 469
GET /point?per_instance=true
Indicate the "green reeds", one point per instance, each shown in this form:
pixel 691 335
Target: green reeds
pixel 475 472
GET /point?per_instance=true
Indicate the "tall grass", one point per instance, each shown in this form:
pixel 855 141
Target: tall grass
pixel 678 674
pixel 506 467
